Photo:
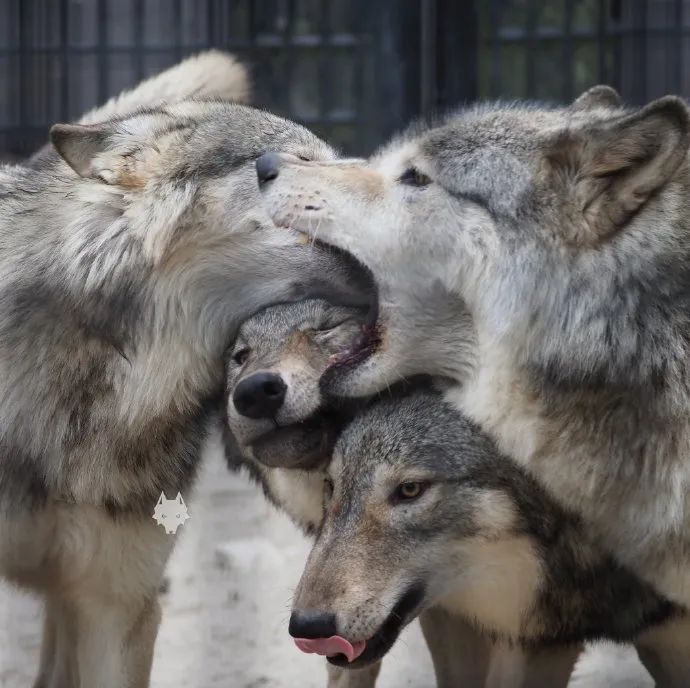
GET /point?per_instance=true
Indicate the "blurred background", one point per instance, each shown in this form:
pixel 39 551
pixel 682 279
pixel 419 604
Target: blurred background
pixel 353 70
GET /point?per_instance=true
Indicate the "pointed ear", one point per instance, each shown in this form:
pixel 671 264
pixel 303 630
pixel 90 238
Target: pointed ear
pixel 601 96
pixel 615 166
pixel 79 144
pixel 179 498
pixel 160 499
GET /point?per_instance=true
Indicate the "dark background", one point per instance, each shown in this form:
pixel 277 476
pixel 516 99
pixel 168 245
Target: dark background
pixel 353 70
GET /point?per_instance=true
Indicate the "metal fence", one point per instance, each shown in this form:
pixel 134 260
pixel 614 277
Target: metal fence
pixel 353 70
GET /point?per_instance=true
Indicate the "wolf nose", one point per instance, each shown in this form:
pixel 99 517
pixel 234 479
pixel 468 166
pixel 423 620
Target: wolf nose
pixel 267 167
pixel 311 625
pixel 260 395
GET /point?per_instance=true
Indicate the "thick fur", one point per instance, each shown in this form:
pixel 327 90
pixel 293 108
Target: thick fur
pixel 297 341
pixel 559 239
pixel 126 264
pixel 479 539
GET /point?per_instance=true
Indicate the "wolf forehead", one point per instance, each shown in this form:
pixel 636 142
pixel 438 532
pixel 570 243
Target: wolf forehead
pixel 416 429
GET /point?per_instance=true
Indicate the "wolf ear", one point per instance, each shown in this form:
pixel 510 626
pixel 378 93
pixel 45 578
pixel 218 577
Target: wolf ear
pixel 618 164
pixel 601 96
pixel 79 145
pixel 90 150
pixel 179 498
pixel 160 499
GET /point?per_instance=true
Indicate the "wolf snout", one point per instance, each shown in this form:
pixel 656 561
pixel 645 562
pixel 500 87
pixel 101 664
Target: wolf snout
pixel 259 395
pixel 267 167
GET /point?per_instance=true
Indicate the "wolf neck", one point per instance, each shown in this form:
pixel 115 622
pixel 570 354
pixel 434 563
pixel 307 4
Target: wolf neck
pixel 94 387
pixel 590 391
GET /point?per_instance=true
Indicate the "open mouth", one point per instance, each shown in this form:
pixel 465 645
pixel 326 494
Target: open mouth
pixel 383 640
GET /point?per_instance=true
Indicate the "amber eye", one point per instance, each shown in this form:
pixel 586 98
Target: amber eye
pixel 413 177
pixel 241 356
pixel 406 492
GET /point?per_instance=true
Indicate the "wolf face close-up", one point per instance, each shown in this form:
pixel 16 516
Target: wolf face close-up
pixel 276 409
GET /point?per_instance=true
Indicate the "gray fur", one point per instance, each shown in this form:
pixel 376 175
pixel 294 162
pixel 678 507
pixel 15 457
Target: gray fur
pixel 562 235
pixel 125 270
pixel 374 547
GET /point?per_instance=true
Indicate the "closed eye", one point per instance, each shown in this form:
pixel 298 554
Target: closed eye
pixel 240 357
pixel 413 177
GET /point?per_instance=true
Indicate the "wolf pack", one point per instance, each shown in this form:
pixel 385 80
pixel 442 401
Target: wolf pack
pixel 461 366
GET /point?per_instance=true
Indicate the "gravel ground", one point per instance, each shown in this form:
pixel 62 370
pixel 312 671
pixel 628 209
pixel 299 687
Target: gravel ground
pixel 225 615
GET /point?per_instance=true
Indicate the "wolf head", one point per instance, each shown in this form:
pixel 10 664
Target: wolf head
pixel 275 407
pixel 170 513
pixel 419 509
pixel 548 225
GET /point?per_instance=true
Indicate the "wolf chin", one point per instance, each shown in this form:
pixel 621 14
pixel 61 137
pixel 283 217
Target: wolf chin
pixel 129 254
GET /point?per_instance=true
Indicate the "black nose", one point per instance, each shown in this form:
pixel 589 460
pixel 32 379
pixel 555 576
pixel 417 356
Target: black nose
pixel 311 625
pixel 260 395
pixel 267 167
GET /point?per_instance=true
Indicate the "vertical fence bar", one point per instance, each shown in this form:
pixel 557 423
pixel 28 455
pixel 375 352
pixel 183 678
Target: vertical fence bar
pixel 677 47
pixel 102 33
pixel 139 38
pixel 64 60
pixel 531 45
pixel 494 49
pixel 177 19
pixel 428 58
pixel 325 62
pixel 568 62
pixel 602 43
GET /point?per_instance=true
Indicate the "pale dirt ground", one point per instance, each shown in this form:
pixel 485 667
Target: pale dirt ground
pixel 225 616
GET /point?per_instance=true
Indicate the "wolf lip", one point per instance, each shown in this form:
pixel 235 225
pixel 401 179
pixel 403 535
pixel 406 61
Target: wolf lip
pixel 407 607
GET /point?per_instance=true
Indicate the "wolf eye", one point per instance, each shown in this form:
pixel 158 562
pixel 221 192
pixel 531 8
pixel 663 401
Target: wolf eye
pixel 407 492
pixel 304 158
pixel 413 177
pixel 241 356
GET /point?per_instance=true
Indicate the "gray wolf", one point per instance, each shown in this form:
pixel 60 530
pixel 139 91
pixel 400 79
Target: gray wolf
pixel 129 255
pixel 282 430
pixel 422 510
pixel 555 242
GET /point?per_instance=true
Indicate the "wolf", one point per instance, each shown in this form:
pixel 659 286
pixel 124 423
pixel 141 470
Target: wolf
pixel 282 429
pixel 420 510
pixel 129 254
pixel 540 257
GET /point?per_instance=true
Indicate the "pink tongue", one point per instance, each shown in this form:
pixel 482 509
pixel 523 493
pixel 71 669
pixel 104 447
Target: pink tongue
pixel 329 647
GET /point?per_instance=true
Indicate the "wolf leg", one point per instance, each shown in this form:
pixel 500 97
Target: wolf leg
pixel 57 668
pixel 459 652
pixel 550 667
pixel 114 642
pixel 358 678
pixel 140 643
pixel 48 647
pixel 665 653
